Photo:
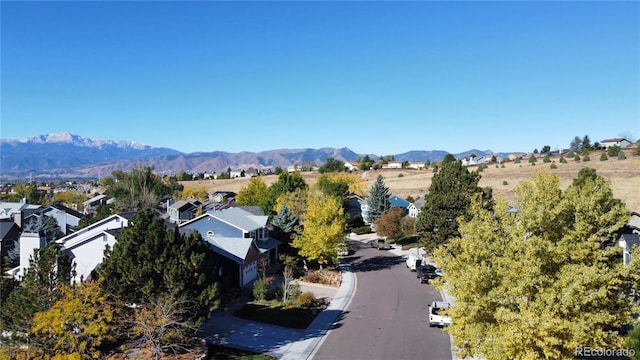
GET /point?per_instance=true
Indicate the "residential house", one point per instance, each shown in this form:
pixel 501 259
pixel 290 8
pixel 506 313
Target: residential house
pixel 239 236
pixel 393 165
pixel 66 218
pixel 408 208
pixel 183 210
pixel 17 211
pixel 417 207
pixel 9 236
pixel 84 247
pixel 90 206
pixel 222 196
pixel 354 207
pixel 629 237
pixel 621 142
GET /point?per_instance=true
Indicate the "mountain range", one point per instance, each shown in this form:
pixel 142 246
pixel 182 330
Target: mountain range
pixel 68 156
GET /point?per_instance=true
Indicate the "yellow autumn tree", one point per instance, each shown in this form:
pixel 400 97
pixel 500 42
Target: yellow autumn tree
pixel 543 281
pixel 254 193
pixel 322 228
pixel 77 324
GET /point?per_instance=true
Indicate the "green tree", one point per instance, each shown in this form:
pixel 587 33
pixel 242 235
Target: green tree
pixel 31 193
pixel 332 165
pixel 47 225
pixel 149 261
pixel 545 149
pixel 604 157
pixel 254 193
pixel 576 145
pixel 448 198
pixel 378 200
pixel 613 150
pixel 543 281
pixel 138 189
pixel 546 159
pixel 532 160
pixel 38 289
pixel 586 143
pixel 287 182
pixel 322 228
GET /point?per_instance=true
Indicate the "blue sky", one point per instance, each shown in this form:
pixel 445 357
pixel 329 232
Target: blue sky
pixel 376 77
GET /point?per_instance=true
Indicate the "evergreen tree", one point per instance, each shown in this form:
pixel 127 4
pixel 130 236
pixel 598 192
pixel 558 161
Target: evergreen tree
pixel 47 225
pixel 586 143
pixel 149 261
pixel 38 289
pixel 448 198
pixel 576 145
pixel 543 281
pixel 378 200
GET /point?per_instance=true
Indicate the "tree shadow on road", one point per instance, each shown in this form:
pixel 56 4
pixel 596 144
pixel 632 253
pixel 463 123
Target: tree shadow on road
pixel 376 263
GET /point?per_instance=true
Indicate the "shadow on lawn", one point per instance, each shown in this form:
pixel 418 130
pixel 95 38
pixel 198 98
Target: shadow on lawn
pixel 295 318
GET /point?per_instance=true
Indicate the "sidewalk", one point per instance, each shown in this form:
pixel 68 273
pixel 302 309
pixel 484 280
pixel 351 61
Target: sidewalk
pixel 283 343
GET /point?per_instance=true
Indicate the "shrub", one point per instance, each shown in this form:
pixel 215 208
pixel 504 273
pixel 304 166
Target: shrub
pixel 604 157
pixel 621 155
pixel 554 166
pixel 362 230
pixel 502 166
pixel 546 159
pixel 400 175
pixel 532 159
pixel 505 182
pixel 577 157
pixel 613 150
pixel 563 160
pixel 586 158
pixel 260 289
pixel 307 300
pixel 571 154
pixel 517 160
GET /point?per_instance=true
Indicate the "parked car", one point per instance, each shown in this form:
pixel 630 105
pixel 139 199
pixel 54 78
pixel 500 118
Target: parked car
pixel 426 273
pixel 435 314
pixel 413 262
pixel 380 244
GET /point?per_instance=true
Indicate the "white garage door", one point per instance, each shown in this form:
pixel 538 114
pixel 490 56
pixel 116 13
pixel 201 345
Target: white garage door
pixel 250 272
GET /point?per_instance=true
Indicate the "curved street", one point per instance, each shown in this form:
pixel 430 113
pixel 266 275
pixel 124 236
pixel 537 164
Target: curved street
pixel 387 315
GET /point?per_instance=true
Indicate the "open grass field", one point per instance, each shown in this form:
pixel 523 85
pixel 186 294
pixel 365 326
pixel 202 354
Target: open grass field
pixel 624 176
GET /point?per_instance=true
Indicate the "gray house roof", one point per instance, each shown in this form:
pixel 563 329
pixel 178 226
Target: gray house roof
pixel 235 249
pixel 240 218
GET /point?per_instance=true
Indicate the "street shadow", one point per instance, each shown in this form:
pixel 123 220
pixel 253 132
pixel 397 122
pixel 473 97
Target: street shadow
pixel 377 263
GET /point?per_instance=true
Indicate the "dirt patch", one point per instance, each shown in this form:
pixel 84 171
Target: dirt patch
pixel 624 176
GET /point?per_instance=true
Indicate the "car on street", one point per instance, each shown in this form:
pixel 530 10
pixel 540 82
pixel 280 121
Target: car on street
pixel 426 273
pixel 380 244
pixel 436 318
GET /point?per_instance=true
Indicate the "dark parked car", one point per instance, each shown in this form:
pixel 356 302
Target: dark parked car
pixel 380 244
pixel 426 273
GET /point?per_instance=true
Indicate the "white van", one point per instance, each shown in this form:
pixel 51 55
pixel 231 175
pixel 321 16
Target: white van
pixel 413 262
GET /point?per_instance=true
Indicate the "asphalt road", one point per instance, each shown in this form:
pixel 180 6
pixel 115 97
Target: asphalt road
pixel 387 317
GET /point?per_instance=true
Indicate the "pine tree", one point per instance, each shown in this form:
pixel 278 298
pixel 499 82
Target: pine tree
pixel 378 200
pixel 448 198
pixel 149 261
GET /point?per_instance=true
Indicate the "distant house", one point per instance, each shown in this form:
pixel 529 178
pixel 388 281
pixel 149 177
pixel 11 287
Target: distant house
pixel 183 210
pixel 222 196
pixel 90 206
pixel 621 142
pixel 408 208
pixel 393 165
pixel 354 206
pixel 239 236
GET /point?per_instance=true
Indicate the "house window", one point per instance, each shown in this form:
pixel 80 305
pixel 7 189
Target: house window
pixel 627 258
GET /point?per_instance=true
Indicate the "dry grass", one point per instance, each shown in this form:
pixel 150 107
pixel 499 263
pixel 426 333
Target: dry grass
pixel 624 176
